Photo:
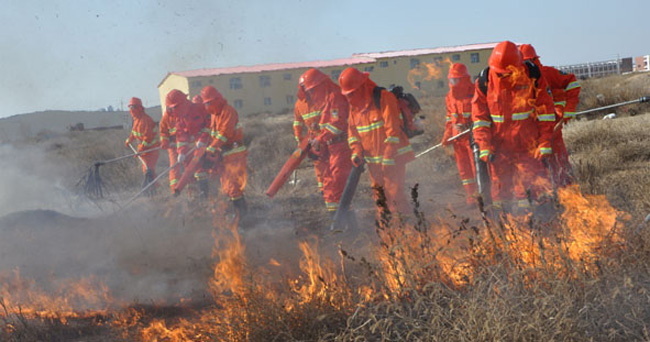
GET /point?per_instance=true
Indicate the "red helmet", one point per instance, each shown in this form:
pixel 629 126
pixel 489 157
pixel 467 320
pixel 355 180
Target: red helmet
pixel 312 78
pixel 351 79
pixel 527 52
pixel 197 99
pixel 458 70
pixel 210 93
pixel 135 102
pixel 505 54
pixel 174 98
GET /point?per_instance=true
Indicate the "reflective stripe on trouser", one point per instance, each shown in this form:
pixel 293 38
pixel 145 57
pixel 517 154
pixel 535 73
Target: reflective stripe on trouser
pixel 515 172
pixel 175 172
pixel 150 160
pixel 338 164
pixel 465 164
pixel 559 162
pixel 321 168
pixel 391 179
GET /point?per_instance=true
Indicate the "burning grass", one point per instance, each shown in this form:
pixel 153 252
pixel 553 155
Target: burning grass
pixel 580 276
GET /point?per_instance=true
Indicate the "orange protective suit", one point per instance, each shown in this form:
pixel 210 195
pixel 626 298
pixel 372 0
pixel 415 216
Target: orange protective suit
pixel 191 128
pixel 513 126
pixel 226 152
pixel 459 115
pixel 327 122
pixel 168 142
pixel 565 91
pixel 375 134
pixel 145 131
pixel 300 112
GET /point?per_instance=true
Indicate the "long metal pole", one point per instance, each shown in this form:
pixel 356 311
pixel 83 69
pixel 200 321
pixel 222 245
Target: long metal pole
pixel 639 100
pixel 437 146
pixel 102 162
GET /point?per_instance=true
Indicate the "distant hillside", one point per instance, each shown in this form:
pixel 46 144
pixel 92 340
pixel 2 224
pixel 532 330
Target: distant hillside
pixel 56 121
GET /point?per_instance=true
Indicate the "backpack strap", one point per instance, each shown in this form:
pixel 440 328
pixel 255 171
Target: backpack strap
pixel 483 80
pixel 376 96
pixel 533 71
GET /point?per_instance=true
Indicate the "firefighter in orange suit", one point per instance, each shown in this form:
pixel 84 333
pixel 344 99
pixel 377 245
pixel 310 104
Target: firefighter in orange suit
pixel 145 131
pixel 459 119
pixel 301 114
pixel 327 122
pixel 226 153
pixel 191 131
pixel 168 142
pixel 376 136
pixel 513 122
pixel 565 90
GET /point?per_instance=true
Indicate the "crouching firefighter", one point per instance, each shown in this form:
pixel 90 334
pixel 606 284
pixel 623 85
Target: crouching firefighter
pixel 513 120
pixel 145 131
pixel 225 155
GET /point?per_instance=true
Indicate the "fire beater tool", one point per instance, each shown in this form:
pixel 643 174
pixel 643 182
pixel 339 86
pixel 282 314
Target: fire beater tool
pixel 92 182
pixel 343 217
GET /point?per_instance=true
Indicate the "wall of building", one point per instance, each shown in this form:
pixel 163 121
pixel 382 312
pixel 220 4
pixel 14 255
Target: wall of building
pixel 275 91
pixel 172 82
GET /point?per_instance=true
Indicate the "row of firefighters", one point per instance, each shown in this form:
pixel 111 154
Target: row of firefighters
pixel 514 111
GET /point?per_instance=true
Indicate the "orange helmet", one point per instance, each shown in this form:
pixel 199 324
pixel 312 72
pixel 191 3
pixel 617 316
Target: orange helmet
pixel 311 78
pixel 351 79
pixel 505 54
pixel 527 52
pixel 458 70
pixel 174 98
pixel 135 102
pixel 197 99
pixel 210 93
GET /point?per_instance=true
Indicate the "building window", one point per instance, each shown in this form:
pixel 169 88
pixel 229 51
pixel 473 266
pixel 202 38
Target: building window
pixel 290 100
pixel 437 60
pixel 441 84
pixel 235 83
pixel 418 85
pixel 414 63
pixel 335 74
pixel 383 64
pixel 369 68
pixel 455 57
pixel 265 81
pixel 287 77
pixel 267 101
pixel 196 84
pixel 474 57
pixel 238 104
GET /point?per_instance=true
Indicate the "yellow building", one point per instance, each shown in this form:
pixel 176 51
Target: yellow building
pixel 272 87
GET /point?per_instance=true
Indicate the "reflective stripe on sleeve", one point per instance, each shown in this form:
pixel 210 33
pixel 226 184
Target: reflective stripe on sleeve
pixel 520 116
pixel 572 85
pixel 546 117
pixel 481 123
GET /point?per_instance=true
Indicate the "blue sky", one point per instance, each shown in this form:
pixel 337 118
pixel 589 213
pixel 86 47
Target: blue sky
pixel 84 55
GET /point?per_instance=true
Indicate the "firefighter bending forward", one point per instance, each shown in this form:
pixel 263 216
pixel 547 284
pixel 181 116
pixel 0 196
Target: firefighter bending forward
pixel 191 131
pixel 459 119
pixel 513 124
pixel 326 119
pixel 301 114
pixel 145 131
pixel 168 142
pixel 376 137
pixel 226 153
pixel 565 90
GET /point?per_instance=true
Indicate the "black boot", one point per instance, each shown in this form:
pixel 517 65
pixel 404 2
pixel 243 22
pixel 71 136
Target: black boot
pixel 204 188
pixel 241 208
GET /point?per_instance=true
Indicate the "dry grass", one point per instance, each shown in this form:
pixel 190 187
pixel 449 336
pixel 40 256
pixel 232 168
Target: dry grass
pixel 415 297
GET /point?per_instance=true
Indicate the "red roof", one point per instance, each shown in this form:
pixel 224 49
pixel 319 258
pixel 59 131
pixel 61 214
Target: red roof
pixel 274 67
pixel 417 52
